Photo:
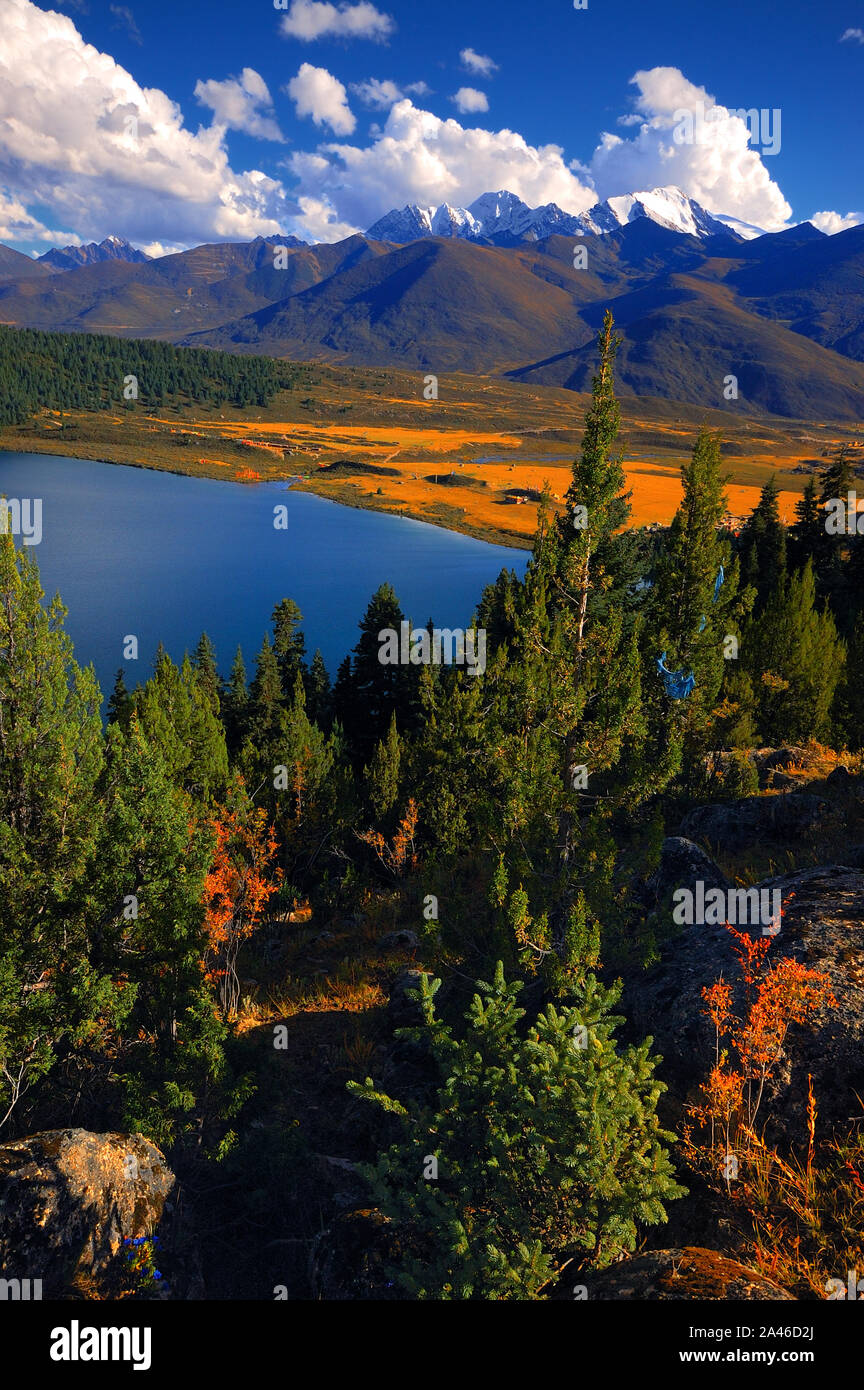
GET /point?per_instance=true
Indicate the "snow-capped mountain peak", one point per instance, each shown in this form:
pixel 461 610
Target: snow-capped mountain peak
pixel 113 248
pixel 669 207
pixel 449 221
pixel 501 217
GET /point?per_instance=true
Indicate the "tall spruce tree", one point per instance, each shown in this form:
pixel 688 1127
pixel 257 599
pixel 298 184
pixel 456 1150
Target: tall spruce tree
pixel 692 612
pixel 235 705
pixel 176 712
pixel 318 693
pixel 808 533
pixel 154 850
pixel 381 777
pixel 204 662
pixel 265 695
pixel 120 704
pixel 850 694
pixel 288 644
pixel 797 662
pixel 52 994
pixel 837 481
pixel 379 690
pixel 594 663
pixel 763 544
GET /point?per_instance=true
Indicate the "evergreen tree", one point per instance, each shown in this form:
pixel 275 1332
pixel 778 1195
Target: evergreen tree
pixel 850 694
pixel 52 994
pixel 838 480
pixel 692 611
pixel 318 694
pixel 120 705
pixel 342 695
pixel 379 690
pixel 289 645
pixel 303 783
pixel 154 853
pixel 382 774
pixel 235 704
pixel 544 1143
pixel 265 695
pixel 204 662
pixel 808 534
pixel 176 713
pixel 594 665
pixel 838 477
pixel 797 661
pixel 764 545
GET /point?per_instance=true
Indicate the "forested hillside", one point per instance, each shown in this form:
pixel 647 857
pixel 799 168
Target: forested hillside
pixel 207 898
pixel 60 371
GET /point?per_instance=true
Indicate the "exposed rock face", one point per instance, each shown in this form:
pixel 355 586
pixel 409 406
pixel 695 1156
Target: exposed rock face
pixel 690 1273
pixel 69 1198
pixel 736 824
pixel 403 940
pixel 822 928
pixel 682 864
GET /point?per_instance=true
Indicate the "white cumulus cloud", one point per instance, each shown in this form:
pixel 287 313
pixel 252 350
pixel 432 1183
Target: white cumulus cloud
pixel 419 158
pixel 79 135
pixel 468 99
pixel 718 166
pixel 832 222
pixel 477 62
pixel 382 94
pixel 856 34
pixel 241 103
pixel 317 93
pixel 17 224
pixel 316 19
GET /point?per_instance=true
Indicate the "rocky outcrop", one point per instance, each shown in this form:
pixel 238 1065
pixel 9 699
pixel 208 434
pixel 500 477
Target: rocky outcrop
pixel 734 825
pixel 403 940
pixel 69 1199
pixel 822 927
pixel 682 865
pixel 688 1274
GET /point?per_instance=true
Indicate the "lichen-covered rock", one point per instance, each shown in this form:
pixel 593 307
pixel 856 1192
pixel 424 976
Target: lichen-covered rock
pixel 822 927
pixel 69 1198
pixel 689 1274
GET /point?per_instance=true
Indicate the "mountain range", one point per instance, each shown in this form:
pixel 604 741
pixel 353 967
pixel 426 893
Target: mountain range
pixel 113 248
pixel 502 219
pixel 496 288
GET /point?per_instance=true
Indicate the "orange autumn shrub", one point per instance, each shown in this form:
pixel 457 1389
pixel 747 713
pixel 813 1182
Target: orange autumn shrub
pixel 748 1048
pixel 236 891
pixel 399 854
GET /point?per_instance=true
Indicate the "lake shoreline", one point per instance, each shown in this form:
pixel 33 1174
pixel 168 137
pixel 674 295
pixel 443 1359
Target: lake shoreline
pixel 143 552
pixel 334 492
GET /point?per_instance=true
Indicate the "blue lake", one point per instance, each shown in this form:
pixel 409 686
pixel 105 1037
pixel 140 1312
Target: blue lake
pixel 163 557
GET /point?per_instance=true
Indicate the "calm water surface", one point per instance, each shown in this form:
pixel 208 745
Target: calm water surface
pixel 163 557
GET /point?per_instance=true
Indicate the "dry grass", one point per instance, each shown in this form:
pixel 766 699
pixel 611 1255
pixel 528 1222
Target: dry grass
pixel 805 1215
pixel 378 416
pixel 347 991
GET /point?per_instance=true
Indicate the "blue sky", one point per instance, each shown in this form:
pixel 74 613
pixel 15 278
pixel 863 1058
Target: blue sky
pixel 180 121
